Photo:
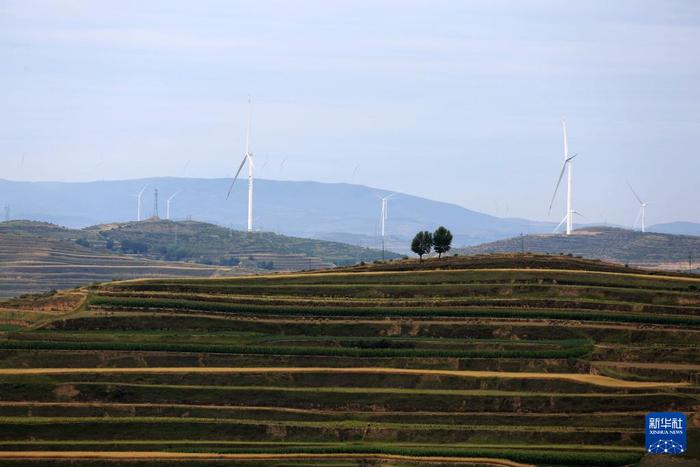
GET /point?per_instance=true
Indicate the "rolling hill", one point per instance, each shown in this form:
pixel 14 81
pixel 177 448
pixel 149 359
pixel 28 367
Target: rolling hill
pixel 328 211
pixel 650 249
pixel 37 256
pixel 677 228
pixel 511 360
pixel 49 259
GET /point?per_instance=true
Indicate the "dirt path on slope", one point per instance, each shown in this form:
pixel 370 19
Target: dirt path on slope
pixel 181 456
pixel 597 380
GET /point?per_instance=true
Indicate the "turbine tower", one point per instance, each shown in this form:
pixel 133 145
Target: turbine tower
pixel 642 210
pixel 138 202
pixel 384 215
pixel 567 167
pixel 167 205
pixel 248 156
pixel 155 203
pixel 385 209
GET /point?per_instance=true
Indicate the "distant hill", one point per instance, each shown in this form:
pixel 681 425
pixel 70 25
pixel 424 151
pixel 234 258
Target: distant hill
pixel 329 211
pixel 38 256
pixel 211 244
pixel 677 228
pixel 648 249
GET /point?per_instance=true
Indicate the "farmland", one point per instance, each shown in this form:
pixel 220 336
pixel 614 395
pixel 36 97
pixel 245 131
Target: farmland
pixel 39 263
pixel 488 360
pixel 37 256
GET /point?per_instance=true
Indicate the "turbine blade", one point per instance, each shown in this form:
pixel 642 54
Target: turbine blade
pixel 566 140
pixel 636 220
pixel 240 167
pixel 635 194
pixel 560 224
pixel 556 188
pixel 579 214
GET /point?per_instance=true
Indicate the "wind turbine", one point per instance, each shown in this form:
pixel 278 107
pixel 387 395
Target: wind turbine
pixel 167 204
pixel 569 217
pixel 248 156
pixel 138 202
pixel 384 215
pixel 642 209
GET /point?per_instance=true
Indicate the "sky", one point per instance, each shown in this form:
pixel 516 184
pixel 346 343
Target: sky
pixel 457 101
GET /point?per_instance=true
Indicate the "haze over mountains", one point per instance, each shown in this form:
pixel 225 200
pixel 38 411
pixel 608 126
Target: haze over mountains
pixel 331 211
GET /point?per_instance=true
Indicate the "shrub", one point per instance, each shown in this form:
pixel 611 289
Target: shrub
pixel 229 261
pixel 132 246
pixel 83 242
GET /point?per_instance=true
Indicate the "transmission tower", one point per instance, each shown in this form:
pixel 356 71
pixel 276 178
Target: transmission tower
pixel 155 203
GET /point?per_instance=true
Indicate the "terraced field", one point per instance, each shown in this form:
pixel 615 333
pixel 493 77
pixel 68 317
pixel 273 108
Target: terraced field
pixel 37 257
pixel 498 360
pixel 31 265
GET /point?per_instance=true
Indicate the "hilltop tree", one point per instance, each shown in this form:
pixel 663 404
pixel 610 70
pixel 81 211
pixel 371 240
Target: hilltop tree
pixel 422 243
pixel 442 241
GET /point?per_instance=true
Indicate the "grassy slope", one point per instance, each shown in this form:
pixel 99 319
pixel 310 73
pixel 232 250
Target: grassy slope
pixel 199 241
pixel 43 257
pixel 619 245
pixel 534 359
pixel 37 257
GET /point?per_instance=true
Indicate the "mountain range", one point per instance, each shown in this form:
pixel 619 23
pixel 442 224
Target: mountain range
pixel 328 211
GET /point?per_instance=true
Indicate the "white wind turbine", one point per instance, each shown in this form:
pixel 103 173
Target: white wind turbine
pixel 384 215
pixel 248 156
pixel 642 210
pixel 385 210
pixel 138 202
pixel 569 217
pixel 167 204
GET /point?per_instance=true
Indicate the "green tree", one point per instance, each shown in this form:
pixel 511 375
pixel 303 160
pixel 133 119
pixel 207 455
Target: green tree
pixel 442 240
pixel 422 243
pixel 83 242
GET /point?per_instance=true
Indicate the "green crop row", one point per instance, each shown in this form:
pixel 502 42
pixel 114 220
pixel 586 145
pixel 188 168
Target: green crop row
pixel 562 303
pixel 569 352
pixel 179 304
pixel 452 289
pixel 453 277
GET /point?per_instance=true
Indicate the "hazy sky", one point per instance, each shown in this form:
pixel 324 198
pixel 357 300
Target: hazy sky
pixel 458 101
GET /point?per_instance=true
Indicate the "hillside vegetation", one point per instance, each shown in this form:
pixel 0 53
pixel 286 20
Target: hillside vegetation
pixel 49 259
pixel 37 257
pixel 211 244
pixel 650 249
pixel 491 360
